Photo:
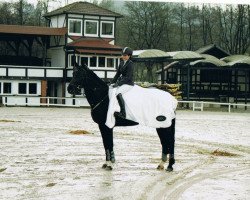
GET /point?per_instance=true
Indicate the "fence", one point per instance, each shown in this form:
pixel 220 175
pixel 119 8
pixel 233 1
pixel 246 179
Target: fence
pixel 44 101
pixel 82 102
pixel 199 105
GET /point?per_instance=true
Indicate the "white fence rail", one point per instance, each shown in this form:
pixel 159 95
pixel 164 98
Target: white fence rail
pixel 199 105
pixel 44 101
pixel 82 102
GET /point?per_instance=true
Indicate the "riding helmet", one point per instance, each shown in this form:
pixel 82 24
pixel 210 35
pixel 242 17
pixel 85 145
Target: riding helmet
pixel 127 51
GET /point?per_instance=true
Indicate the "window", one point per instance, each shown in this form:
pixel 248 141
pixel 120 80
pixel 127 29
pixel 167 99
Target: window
pixel 22 88
pixel 215 76
pixel 72 60
pixel 7 88
pixel 32 88
pixel 93 61
pixel 110 62
pixel 117 63
pixel 101 62
pixel 85 60
pixel 75 26
pixel 0 87
pixel 107 29
pixel 91 28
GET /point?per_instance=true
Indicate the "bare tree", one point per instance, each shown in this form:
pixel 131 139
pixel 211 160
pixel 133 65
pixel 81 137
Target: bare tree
pixel 145 23
pixel 234 28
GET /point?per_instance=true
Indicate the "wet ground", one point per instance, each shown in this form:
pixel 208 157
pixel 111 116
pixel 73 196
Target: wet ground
pixel 41 159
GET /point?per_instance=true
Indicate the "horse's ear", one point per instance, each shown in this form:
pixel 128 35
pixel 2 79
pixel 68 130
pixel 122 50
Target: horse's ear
pixel 75 64
pixel 85 66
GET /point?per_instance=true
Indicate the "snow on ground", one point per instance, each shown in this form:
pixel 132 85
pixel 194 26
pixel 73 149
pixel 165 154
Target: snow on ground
pixel 40 159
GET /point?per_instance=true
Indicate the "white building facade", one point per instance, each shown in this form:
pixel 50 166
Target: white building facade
pixel 81 31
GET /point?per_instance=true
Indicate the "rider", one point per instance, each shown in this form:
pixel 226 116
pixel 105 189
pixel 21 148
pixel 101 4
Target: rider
pixel 123 79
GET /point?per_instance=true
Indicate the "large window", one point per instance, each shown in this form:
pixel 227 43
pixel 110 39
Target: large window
pixel 85 60
pixel 107 29
pixel 75 26
pixel 110 62
pixel 101 62
pixel 7 88
pixel 93 61
pixel 215 76
pixel 91 28
pixel 32 88
pixel 22 88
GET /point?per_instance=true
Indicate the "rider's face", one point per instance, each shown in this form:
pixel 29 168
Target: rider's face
pixel 125 57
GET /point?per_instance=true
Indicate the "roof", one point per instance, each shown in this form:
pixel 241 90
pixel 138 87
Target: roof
pixel 93 43
pixel 208 61
pixel 150 55
pixel 213 50
pixel 98 51
pixel 94 46
pixel 237 60
pixel 83 8
pixel 185 55
pixel 32 30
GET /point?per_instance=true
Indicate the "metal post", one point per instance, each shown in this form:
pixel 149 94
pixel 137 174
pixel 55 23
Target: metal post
pixel 162 73
pixel 188 82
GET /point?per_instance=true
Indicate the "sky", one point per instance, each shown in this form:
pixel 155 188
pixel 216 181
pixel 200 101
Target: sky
pixel 61 3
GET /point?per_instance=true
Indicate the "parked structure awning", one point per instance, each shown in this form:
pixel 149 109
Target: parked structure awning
pixel 208 61
pixel 153 55
pixel 237 61
pixel 185 55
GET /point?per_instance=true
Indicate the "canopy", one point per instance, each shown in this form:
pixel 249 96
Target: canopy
pixel 237 60
pixel 209 60
pixel 153 55
pixel 185 55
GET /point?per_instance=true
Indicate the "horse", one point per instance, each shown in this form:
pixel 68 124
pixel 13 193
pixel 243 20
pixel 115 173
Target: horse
pixel 96 92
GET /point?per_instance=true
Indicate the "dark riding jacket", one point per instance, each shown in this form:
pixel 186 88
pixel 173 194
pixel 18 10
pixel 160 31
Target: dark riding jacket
pixel 124 74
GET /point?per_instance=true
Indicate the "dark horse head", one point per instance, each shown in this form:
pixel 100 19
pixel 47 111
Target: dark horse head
pixel 96 91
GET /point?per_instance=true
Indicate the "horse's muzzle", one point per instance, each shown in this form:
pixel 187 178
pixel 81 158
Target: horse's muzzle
pixel 72 89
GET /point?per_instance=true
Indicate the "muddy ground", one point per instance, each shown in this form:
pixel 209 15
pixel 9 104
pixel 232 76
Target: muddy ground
pixel 41 159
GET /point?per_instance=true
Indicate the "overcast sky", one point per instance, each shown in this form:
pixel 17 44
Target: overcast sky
pixel 61 3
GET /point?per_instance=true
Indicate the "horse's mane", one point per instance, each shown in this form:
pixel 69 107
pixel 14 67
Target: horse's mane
pixel 93 76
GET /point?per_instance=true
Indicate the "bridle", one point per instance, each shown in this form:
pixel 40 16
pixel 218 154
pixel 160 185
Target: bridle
pixel 100 102
pixel 86 79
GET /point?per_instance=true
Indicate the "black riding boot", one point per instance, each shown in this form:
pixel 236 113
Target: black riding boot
pixel 121 102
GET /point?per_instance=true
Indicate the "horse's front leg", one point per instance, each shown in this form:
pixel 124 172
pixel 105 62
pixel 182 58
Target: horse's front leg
pixel 167 138
pixel 107 138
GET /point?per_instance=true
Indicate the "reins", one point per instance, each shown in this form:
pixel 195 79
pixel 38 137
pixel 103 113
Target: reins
pixel 99 102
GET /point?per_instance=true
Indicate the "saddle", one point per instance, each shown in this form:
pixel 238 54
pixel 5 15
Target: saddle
pixel 146 106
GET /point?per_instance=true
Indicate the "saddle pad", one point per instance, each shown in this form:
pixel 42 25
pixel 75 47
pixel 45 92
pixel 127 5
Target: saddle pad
pixel 146 106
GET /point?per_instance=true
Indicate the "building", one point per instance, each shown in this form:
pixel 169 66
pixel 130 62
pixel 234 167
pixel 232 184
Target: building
pixel 79 30
pixel 210 74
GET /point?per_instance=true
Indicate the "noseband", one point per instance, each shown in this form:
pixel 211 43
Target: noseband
pixel 84 79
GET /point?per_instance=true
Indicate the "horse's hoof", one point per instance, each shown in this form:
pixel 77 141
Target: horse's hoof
pixel 169 169
pixel 160 167
pixel 104 166
pixel 171 161
pixel 109 168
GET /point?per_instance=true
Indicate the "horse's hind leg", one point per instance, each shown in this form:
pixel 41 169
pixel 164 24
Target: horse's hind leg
pixel 167 138
pixel 171 146
pixel 107 138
